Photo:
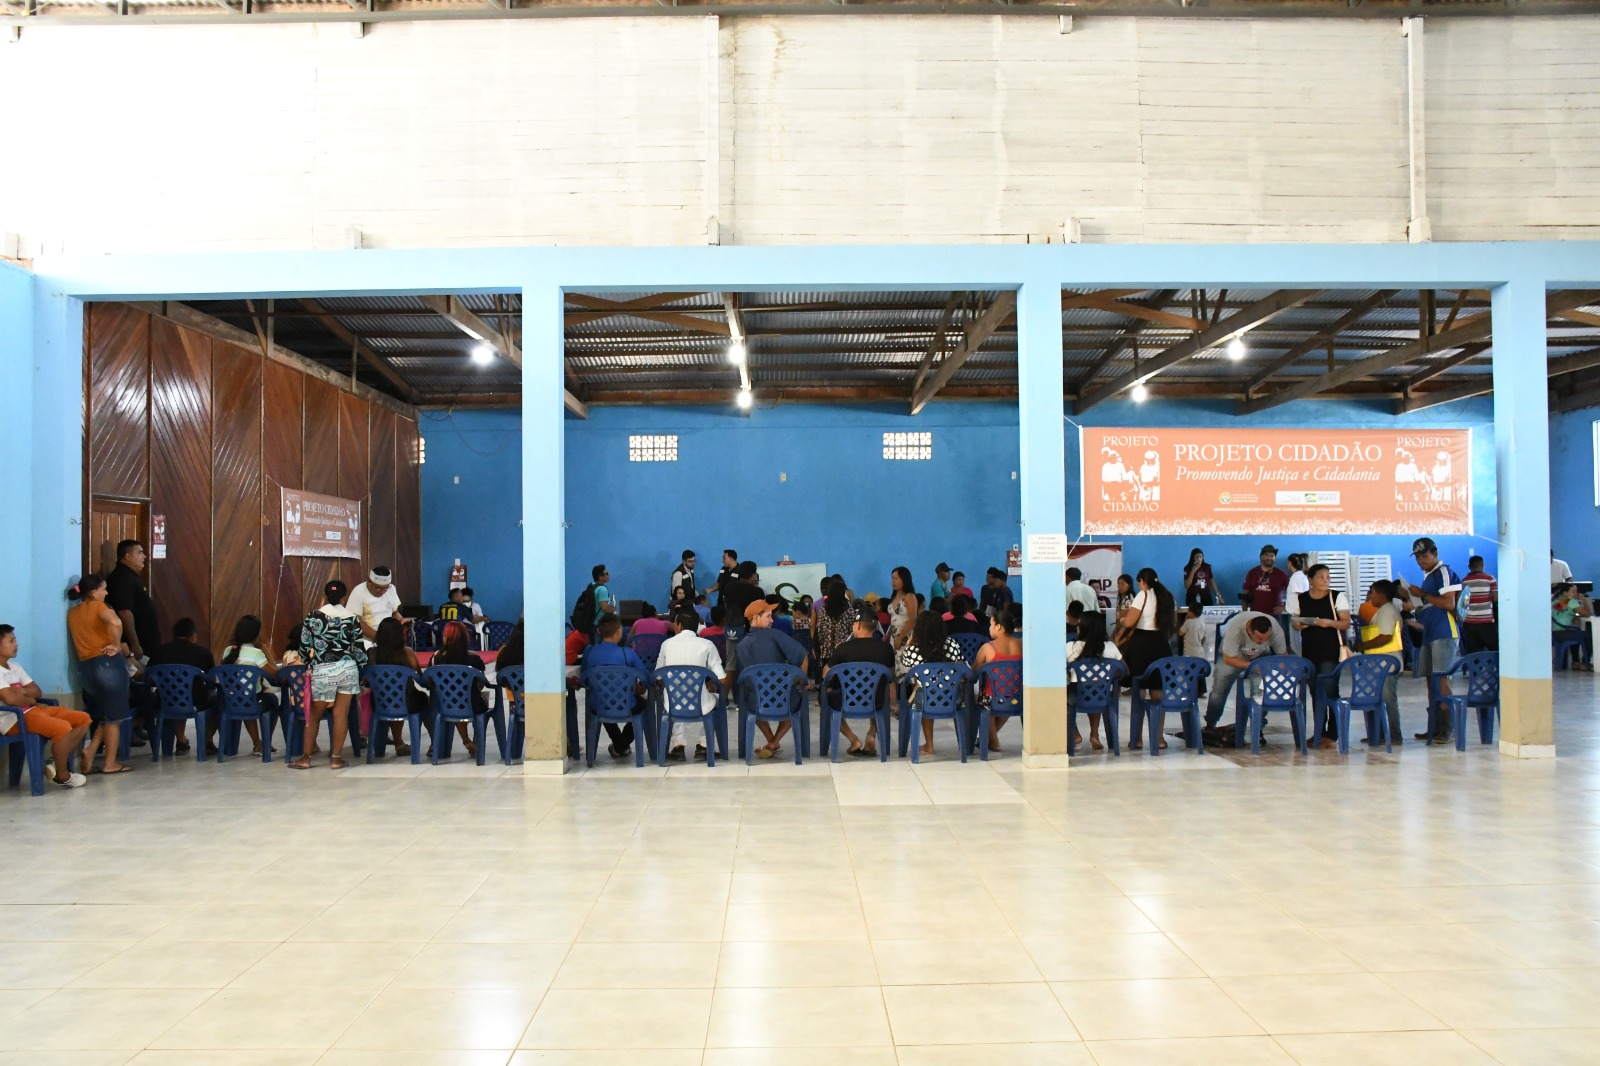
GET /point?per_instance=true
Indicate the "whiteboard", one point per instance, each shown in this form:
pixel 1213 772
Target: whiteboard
pixel 807 579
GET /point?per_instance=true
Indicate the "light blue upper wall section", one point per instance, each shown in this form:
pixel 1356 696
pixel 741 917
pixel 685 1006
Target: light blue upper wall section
pixel 1232 557
pixel 841 503
pixel 1574 519
pixel 16 381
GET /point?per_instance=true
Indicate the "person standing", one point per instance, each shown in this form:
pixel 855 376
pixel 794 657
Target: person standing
pixel 996 595
pixel 940 589
pixel 730 562
pixel 376 599
pixel 1199 583
pixel 737 595
pixel 1436 610
pixel 62 727
pixel 903 607
pixel 1560 572
pixel 332 639
pixel 1081 592
pixel 1380 635
pixel 1322 617
pixel 1480 629
pixel 1264 586
pixel 127 594
pixel 683 578
pixel 96 633
pixel 1148 623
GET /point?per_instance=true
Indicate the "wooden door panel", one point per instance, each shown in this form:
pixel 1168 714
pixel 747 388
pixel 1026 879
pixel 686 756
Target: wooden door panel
pixel 180 472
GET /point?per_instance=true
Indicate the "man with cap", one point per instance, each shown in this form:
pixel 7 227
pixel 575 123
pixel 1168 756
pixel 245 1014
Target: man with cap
pixel 1436 610
pixel 374 600
pixel 763 644
pixel 1265 585
pixel 996 594
pixel 940 589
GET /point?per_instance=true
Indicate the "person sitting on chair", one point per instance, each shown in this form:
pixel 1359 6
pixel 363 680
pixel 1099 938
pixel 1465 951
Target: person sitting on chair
pixel 1568 611
pixel 764 644
pixel 686 647
pixel 862 647
pixel 1004 647
pixel 608 651
pixel 61 727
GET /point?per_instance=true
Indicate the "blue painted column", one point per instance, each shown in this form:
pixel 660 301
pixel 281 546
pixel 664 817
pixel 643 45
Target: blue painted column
pixel 544 525
pixel 1041 414
pixel 16 383
pixel 1522 467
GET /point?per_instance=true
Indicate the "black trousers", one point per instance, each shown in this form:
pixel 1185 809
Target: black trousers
pixel 1480 636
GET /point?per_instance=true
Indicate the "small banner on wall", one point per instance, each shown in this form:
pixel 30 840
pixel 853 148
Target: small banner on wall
pixel 1272 482
pixel 321 525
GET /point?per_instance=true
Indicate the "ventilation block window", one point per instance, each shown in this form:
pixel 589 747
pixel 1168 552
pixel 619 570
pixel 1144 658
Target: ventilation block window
pixel 908 445
pixel 653 448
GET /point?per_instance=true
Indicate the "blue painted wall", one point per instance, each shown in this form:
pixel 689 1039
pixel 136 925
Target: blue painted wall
pixel 838 502
pixel 1574 519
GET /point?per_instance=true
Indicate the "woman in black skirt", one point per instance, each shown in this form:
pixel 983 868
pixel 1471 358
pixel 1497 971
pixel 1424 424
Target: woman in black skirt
pixel 1147 625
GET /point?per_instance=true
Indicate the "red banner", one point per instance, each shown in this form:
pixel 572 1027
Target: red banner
pixel 1272 482
pixel 323 526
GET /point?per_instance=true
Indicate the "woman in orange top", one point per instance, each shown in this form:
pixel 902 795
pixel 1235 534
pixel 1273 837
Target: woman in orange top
pixel 97 638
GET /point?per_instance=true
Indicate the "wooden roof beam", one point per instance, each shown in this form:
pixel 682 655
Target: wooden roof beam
pixel 468 322
pixel 683 320
pixel 1217 333
pixel 1462 333
pixel 1317 340
pixel 1119 344
pixel 367 355
pixel 1002 307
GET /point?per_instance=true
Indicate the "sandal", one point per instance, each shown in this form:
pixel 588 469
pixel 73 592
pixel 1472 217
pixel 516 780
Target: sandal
pixel 337 763
pixel 302 763
pixel 123 769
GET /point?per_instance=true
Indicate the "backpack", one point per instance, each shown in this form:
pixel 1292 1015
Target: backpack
pixel 583 612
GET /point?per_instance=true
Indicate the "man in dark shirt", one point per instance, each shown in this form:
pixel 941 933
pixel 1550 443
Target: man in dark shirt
pixel 185 649
pixel 862 647
pixel 730 562
pixel 996 593
pixel 126 594
pixel 763 644
pixel 737 596
pixel 1264 586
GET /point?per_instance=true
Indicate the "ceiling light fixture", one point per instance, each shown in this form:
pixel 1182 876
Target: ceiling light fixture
pixel 1140 394
pixel 745 399
pixel 1236 349
pixel 736 353
pixel 482 355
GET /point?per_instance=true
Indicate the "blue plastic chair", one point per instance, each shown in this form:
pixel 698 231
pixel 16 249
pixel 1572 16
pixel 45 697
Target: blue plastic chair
pixel 1482 670
pixel 174 687
pixel 1284 680
pixel 238 686
pixel 419 635
pixel 498 633
pixel 513 710
pixel 676 692
pixel 391 702
pixel 999 695
pixel 1563 644
pixel 765 693
pixel 936 691
pixel 1098 691
pixel 858 686
pixel 611 694
pixel 450 700
pixel 647 646
pixel 26 749
pixel 969 643
pixel 1178 677
pixel 1368 675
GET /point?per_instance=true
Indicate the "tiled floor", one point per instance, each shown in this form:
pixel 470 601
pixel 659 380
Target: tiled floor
pixel 1426 907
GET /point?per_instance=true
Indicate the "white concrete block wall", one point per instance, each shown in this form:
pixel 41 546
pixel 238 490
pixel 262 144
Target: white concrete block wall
pixel 870 129
pixel 1514 129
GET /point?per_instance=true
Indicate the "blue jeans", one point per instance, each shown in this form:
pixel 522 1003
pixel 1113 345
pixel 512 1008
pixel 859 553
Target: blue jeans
pixel 105 688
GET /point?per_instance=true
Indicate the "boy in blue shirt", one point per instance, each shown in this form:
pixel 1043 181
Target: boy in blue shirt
pixel 610 652
pixel 1436 597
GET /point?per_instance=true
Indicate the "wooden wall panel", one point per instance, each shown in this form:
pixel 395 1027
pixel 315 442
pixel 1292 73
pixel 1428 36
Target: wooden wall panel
pixel 119 400
pixel 381 514
pixel 321 472
pixel 180 471
pixel 408 512
pixel 355 477
pixel 236 486
pixel 281 456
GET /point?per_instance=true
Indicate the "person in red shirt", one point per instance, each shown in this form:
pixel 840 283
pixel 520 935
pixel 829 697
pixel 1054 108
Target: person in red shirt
pixel 1264 586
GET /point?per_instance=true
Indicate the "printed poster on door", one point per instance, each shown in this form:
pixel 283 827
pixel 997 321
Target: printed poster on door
pixel 324 526
pixel 1275 482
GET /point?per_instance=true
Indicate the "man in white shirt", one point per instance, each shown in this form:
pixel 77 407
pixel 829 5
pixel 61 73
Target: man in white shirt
pixel 1560 572
pixel 19 698
pixel 686 647
pixel 1080 591
pixel 373 601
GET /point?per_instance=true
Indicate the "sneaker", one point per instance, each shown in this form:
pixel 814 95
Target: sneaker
pixel 1421 736
pixel 676 755
pixel 699 751
pixel 1444 738
pixel 73 780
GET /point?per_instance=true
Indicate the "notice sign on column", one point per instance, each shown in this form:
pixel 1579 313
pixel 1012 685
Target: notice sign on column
pixel 1047 547
pixel 323 526
pixel 1276 482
